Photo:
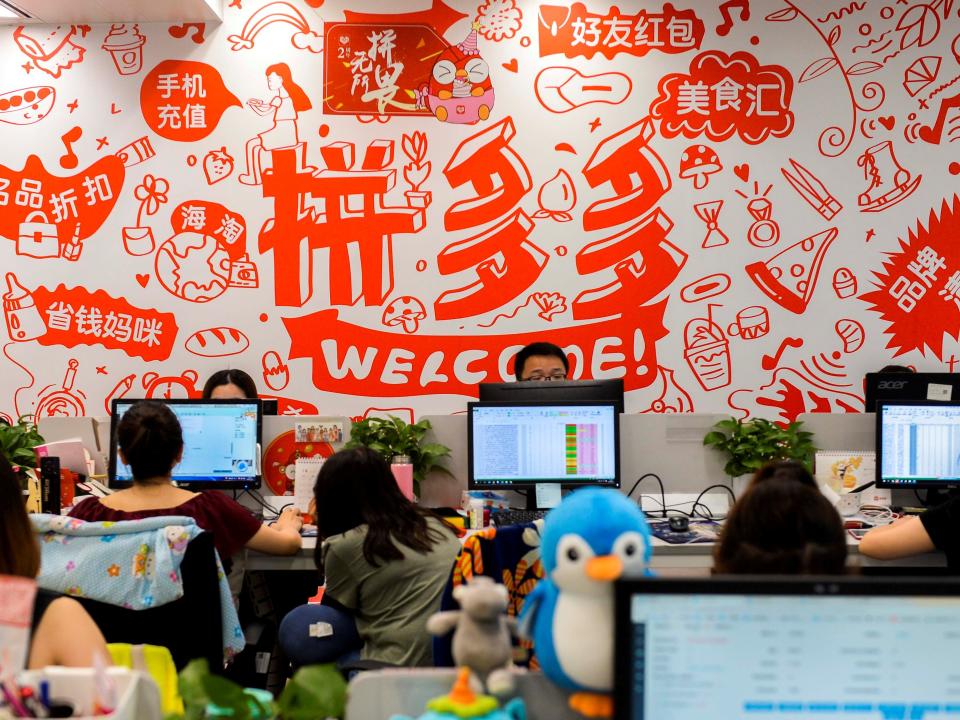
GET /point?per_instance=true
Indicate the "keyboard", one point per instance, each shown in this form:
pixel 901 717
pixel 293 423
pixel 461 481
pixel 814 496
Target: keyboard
pixel 516 517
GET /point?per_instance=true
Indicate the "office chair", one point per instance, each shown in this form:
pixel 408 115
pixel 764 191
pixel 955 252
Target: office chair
pixel 189 627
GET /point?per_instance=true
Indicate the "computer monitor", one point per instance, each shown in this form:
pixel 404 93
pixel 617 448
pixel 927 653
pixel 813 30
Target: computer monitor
pixel 519 445
pixel 942 387
pixel 748 647
pixel 555 391
pixel 221 444
pixel 918 445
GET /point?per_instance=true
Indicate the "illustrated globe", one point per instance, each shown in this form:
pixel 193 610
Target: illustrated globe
pixel 193 266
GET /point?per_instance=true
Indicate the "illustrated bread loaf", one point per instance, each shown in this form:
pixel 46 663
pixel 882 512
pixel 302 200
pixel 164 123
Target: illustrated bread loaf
pixel 217 342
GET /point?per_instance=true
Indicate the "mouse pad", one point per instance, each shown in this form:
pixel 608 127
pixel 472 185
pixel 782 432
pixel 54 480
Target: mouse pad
pixel 701 531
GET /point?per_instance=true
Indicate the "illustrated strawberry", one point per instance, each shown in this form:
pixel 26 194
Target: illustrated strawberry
pixel 217 164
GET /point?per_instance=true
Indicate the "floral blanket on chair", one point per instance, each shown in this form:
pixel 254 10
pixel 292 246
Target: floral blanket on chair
pixel 134 564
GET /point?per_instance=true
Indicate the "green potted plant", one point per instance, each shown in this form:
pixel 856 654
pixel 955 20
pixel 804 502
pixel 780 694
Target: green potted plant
pixel 17 443
pixel 392 437
pixel 751 444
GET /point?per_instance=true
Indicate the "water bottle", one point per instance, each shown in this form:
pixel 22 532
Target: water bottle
pixel 403 473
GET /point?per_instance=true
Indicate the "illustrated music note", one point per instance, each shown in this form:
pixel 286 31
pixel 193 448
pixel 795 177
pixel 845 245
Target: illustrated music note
pixel 932 134
pixel 724 27
pixel 179 31
pixel 769 362
pixel 69 159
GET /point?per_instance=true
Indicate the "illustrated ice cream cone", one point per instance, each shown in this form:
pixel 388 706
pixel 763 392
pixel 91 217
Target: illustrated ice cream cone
pixel 125 45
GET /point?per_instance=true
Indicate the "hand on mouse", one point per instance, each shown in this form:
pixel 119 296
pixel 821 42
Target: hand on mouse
pixel 290 518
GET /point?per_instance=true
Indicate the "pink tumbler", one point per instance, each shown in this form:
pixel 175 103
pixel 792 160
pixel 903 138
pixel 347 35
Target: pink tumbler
pixel 403 473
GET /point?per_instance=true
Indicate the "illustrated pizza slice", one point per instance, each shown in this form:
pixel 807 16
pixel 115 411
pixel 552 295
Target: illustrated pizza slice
pixel 790 276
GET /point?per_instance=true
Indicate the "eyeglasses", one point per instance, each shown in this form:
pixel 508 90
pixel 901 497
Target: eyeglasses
pixel 540 377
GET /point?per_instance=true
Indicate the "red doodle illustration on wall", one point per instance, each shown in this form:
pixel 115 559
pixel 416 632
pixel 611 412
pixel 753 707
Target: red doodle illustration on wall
pixel 672 398
pixel 151 194
pixel 557 197
pixel 699 162
pixel 217 165
pixel 723 95
pixel 499 19
pixel 63 400
pixel 405 313
pixel 49 216
pixel 276 374
pixel 124 43
pixel 206 254
pixel 918 287
pixel 277 13
pixel 165 387
pixel 50 48
pixel 819 383
pixel 27 105
pixel 439 16
pixel 354 360
pixel 289 100
pixel 707 352
pixel 575 31
pixel 184 100
pixel 790 277
pixel 217 342
pixel 562 89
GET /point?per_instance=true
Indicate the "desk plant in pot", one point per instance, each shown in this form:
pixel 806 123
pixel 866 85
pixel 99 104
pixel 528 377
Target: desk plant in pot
pixel 392 437
pixel 17 442
pixel 751 444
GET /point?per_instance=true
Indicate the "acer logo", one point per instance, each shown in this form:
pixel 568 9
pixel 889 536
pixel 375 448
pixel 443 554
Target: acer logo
pixel 892 384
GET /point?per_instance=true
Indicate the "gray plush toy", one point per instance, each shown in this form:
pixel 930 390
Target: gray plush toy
pixel 481 640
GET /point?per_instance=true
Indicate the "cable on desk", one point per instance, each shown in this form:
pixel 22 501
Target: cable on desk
pixel 675 507
pixel 663 495
pixel 708 515
pixel 258 498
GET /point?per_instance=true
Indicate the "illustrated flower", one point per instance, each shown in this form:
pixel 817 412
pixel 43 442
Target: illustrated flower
pixel 174 577
pixel 550 304
pixel 75 591
pixel 71 565
pixel 152 193
pixel 148 600
pixel 108 538
pixel 113 570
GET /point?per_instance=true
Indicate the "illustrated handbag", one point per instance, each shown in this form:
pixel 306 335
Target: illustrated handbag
pixel 38 237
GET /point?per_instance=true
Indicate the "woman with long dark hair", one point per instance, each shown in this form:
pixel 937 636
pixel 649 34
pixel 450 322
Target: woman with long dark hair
pixel 62 633
pixel 782 524
pixel 385 560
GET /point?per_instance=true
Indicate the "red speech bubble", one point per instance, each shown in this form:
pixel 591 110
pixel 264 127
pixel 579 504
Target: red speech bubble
pixel 77 316
pixel 725 94
pixel 918 288
pixel 184 100
pixel 48 215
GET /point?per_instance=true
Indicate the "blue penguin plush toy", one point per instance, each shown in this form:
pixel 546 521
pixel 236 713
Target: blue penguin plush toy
pixel 589 540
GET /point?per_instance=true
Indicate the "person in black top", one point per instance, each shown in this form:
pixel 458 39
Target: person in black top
pixel 541 361
pixel 61 632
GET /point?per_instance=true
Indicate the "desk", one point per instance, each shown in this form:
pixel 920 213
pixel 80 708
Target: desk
pixel 694 559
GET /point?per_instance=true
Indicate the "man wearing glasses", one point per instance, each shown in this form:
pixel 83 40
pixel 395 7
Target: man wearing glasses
pixel 541 361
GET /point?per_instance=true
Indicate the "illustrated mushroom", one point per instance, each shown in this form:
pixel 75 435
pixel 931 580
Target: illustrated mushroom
pixel 699 162
pixel 405 310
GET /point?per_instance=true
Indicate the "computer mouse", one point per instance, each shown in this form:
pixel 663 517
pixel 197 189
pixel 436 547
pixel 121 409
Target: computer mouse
pixel 678 523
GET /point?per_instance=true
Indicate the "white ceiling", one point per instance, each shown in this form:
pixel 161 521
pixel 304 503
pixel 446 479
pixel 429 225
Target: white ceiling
pixel 106 11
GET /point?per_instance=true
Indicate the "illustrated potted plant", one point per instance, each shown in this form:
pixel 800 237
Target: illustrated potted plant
pixel 391 438
pixel 17 442
pixel 751 444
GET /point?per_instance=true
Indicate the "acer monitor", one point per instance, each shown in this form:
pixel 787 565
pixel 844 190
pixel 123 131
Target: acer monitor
pixel 918 445
pixel 221 444
pixel 609 390
pixel 939 387
pixel 519 445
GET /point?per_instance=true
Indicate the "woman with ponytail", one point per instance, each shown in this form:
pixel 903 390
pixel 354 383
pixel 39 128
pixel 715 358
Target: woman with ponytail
pixel 782 525
pixel 150 442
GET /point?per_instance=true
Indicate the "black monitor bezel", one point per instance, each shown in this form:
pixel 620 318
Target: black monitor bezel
pixel 531 484
pixel 878 464
pixel 871 380
pixel 253 483
pixel 612 390
pixel 827 585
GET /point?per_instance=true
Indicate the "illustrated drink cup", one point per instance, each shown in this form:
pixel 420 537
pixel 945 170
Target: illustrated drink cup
pixel 707 353
pixel 125 45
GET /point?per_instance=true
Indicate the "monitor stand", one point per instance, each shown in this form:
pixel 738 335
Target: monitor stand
pixel 543 496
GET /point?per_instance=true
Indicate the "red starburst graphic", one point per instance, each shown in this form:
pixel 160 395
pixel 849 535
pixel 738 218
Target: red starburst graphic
pixel 918 288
